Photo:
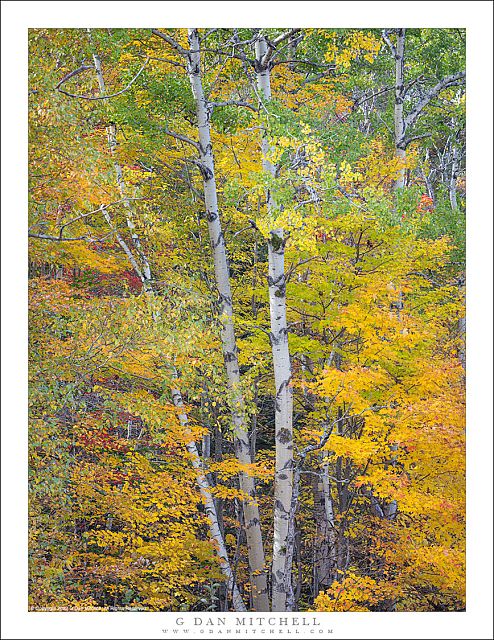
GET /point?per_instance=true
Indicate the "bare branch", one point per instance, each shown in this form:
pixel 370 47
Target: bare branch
pixel 410 84
pixel 98 210
pixel 311 63
pixel 179 136
pixel 237 103
pixel 171 41
pixel 407 141
pixel 283 48
pixel 83 67
pixel 43 236
pixel 167 60
pixel 359 101
pixel 207 34
pixel 392 48
pixel 448 81
pixel 272 45
pixel 104 97
pixel 231 54
pixel 284 36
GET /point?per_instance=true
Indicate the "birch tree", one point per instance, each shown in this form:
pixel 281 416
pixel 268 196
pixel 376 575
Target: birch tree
pixel 403 122
pixel 111 131
pixel 277 281
pixel 142 268
pixel 225 311
pixel 144 378
pixel 209 506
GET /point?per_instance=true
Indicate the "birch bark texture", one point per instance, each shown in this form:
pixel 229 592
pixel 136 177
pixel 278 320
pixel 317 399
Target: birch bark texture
pixel 325 551
pixel 209 506
pixel 453 177
pixel 144 272
pixel 399 119
pixel 255 547
pixel 283 480
pixel 402 122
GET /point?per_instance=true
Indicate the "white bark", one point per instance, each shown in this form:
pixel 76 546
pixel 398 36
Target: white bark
pixel 462 324
pixel 222 277
pixel 210 507
pixel 326 490
pixel 125 246
pixel 403 123
pixel 111 132
pixel 325 555
pixel 283 481
pixel 453 177
pixel 444 83
pixel 399 120
pixel 144 274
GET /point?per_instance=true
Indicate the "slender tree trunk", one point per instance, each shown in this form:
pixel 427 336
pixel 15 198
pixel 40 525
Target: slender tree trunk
pixel 325 549
pixel 144 272
pixel 428 182
pixel 399 118
pixel 111 132
pixel 283 482
pixel 218 457
pixel 214 526
pixel 401 122
pixel 462 331
pixel 462 323
pixel 453 177
pixel 227 334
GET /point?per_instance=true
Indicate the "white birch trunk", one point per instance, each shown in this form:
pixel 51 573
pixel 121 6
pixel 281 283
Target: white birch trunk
pixel 283 481
pixel 210 507
pixel 462 331
pixel 111 132
pixel 326 489
pixel 462 323
pixel 399 118
pixel 222 276
pixel 144 274
pixel 452 180
pixel 326 536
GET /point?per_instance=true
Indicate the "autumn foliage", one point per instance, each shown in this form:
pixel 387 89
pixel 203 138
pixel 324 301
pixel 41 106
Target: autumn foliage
pixel 375 304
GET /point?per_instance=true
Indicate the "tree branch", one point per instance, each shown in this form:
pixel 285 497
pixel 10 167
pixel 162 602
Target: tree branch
pixel 71 74
pixel 386 39
pixel 359 101
pixel 272 44
pixel 167 60
pixel 405 142
pixel 43 236
pixel 124 245
pixel 90 213
pixel 237 103
pixel 179 136
pixel 171 41
pixel 446 82
pixel 103 97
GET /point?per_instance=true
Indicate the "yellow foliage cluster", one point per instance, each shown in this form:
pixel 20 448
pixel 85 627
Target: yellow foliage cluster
pixel 354 45
pixel 354 593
